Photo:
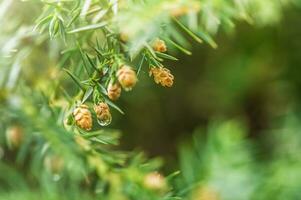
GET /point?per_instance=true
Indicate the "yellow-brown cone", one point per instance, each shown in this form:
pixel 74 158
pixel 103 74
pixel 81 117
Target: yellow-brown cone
pixel 83 117
pixel 114 91
pixel 102 111
pixel 162 76
pixel 126 77
pixel 159 45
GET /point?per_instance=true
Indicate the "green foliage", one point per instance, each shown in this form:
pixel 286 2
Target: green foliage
pixel 57 162
pixel 281 173
pixel 225 162
pixel 220 160
pixel 58 54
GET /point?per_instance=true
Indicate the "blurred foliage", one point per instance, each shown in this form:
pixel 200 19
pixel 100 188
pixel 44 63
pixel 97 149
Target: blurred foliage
pixel 224 164
pixel 58 54
pixel 45 159
pixel 253 75
pixel 220 162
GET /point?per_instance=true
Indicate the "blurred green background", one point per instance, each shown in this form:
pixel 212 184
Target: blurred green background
pixel 253 76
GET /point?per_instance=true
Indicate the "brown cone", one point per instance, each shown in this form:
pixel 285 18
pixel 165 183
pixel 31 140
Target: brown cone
pixel 162 76
pixel 102 111
pixel 114 91
pixel 126 77
pixel 83 117
pixel 159 45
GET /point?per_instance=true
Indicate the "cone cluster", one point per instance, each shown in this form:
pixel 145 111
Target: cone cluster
pixel 83 117
pixel 162 76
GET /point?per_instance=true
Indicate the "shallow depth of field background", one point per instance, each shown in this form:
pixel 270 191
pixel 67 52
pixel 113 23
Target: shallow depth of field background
pixel 253 77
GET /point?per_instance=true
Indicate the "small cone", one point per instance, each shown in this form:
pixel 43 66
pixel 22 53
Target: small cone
pixel 104 116
pixel 83 117
pixel 159 45
pixel 126 77
pixel 162 76
pixel 114 91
